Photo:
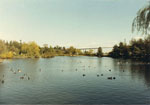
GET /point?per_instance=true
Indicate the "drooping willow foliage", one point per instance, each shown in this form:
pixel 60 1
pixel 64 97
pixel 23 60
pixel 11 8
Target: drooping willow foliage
pixel 141 22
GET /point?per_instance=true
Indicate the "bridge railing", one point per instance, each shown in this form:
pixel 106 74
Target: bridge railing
pixel 105 49
pixel 93 48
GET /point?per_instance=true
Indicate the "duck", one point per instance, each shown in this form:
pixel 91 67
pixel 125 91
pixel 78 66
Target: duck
pixel 109 69
pixel 109 77
pixel 114 77
pixel 11 69
pixel 101 74
pixel 21 77
pixel 84 75
pixel 19 70
pixel 3 81
pixel 14 72
pixel 97 75
pixel 28 78
pixel 40 70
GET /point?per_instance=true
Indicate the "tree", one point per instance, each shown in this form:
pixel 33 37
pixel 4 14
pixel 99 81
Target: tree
pixel 34 50
pixel 15 47
pixel 24 48
pixel 121 51
pixel 30 49
pixel 115 52
pixel 89 53
pixel 71 50
pixel 99 52
pixel 3 47
pixel 79 52
pixel 141 22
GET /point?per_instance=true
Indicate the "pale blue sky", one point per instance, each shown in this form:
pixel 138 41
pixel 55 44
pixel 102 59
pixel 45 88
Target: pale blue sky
pixel 81 23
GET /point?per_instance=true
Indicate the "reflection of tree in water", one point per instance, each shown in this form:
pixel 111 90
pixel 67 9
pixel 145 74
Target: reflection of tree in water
pixel 136 70
pixel 121 64
pixel 2 72
pixel 142 71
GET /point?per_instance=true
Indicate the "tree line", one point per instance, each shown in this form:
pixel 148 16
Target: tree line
pixel 136 49
pixel 15 49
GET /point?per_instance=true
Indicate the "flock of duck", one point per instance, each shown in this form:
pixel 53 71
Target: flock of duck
pixel 109 78
pixel 25 76
pixel 19 71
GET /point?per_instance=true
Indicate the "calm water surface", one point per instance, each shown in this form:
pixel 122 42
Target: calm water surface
pixel 60 80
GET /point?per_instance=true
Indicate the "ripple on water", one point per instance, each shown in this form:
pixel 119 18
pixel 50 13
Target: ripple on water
pixel 52 86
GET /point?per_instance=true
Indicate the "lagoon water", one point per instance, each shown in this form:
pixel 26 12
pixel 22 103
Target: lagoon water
pixel 60 80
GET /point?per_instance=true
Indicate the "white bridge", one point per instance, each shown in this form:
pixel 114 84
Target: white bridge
pixel 105 49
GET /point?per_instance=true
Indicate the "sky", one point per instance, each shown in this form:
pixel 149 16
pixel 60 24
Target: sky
pixel 79 23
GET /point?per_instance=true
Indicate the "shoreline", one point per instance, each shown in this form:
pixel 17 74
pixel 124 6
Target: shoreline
pixel 23 57
pixel 70 55
pixel 19 57
pixel 1 60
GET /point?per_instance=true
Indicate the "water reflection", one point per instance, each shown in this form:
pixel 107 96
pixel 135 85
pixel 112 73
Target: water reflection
pixel 134 69
pixel 141 71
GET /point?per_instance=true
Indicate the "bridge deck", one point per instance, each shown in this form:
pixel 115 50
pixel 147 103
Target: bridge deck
pixel 93 48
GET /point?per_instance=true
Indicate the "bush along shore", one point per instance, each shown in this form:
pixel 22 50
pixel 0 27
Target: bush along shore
pixel 136 49
pixel 15 49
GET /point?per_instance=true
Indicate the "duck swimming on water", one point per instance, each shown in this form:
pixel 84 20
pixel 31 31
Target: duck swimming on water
pixel 114 77
pixel 2 81
pixel 21 77
pixel 19 70
pixel 109 78
pixel 28 78
pixel 14 72
pixel 40 70
pixel 84 75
